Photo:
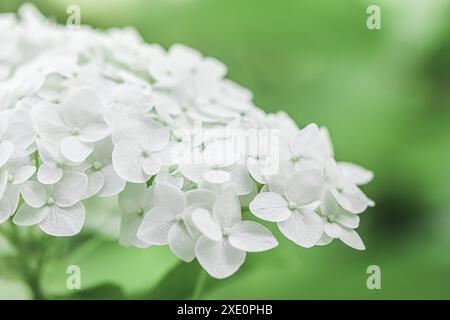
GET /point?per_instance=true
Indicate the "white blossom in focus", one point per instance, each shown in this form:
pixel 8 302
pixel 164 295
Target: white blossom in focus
pixel 294 210
pixel 98 113
pixel 56 209
pixel 225 239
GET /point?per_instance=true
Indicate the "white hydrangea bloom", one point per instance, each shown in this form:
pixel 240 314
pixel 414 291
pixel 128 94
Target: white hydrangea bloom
pixel 75 125
pixel 168 222
pixel 294 210
pixel 87 113
pixel 226 238
pixel 57 208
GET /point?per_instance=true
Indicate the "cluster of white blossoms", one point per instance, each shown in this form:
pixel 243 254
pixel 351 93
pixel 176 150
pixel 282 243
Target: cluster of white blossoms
pixel 87 113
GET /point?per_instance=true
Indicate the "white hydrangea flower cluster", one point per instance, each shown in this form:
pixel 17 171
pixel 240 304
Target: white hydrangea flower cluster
pixel 85 113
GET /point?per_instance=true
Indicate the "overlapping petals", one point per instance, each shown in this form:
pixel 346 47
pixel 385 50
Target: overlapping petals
pixel 102 114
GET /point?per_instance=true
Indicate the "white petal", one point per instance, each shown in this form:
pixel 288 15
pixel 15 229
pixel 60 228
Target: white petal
pixel 310 207
pixel 306 140
pixel 48 121
pixel 305 186
pixel 355 173
pixel 330 207
pixel 204 222
pixel 63 222
pixel 96 180
pixel 333 230
pixel 48 150
pixel 181 243
pixel 75 150
pixel 94 132
pixel 194 172
pixel 155 227
pixel 303 229
pixel 28 216
pixel 216 176
pixel 49 173
pixel 82 107
pixel 158 139
pixel 324 240
pixel 251 237
pixel 255 170
pixel 270 206
pixel 20 130
pixel 9 203
pixel 113 183
pixel 23 174
pixel 227 209
pixel 135 198
pixel 351 199
pixel 70 189
pixel 6 150
pixel 151 166
pixel 34 194
pixel 198 196
pixel 129 224
pixel 351 238
pixel 347 219
pixel 128 160
pixel 218 258
pixel 241 180
pixel 169 197
pixel 3 182
pixel 5 210
pixel 170 155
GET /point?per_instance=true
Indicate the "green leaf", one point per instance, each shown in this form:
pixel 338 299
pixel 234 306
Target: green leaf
pixel 179 283
pixel 105 291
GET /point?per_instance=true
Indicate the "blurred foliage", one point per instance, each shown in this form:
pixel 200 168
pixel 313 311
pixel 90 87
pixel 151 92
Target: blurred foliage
pixel 383 94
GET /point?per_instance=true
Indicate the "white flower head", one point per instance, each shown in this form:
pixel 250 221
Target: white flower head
pixel 141 153
pixel 76 124
pixel 222 248
pixel 57 208
pixel 294 209
pixel 168 222
pixel 339 223
pixel 101 113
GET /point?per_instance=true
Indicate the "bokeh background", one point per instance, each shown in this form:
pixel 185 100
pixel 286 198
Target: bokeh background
pixel 383 94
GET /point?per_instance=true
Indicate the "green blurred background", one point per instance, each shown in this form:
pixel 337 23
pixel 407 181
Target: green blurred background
pixel 383 94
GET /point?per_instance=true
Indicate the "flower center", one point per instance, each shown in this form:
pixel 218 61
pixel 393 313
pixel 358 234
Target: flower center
pixel 331 218
pixel 50 201
pixel 97 165
pixel 60 163
pixel 340 189
pixel 226 231
pixel 146 153
pixel 75 132
pixel 292 205
pixel 140 212
pixel 179 217
pixel 10 178
pixel 295 158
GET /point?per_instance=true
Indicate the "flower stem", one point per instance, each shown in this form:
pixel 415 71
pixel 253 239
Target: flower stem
pixel 30 262
pixel 36 159
pixel 198 290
